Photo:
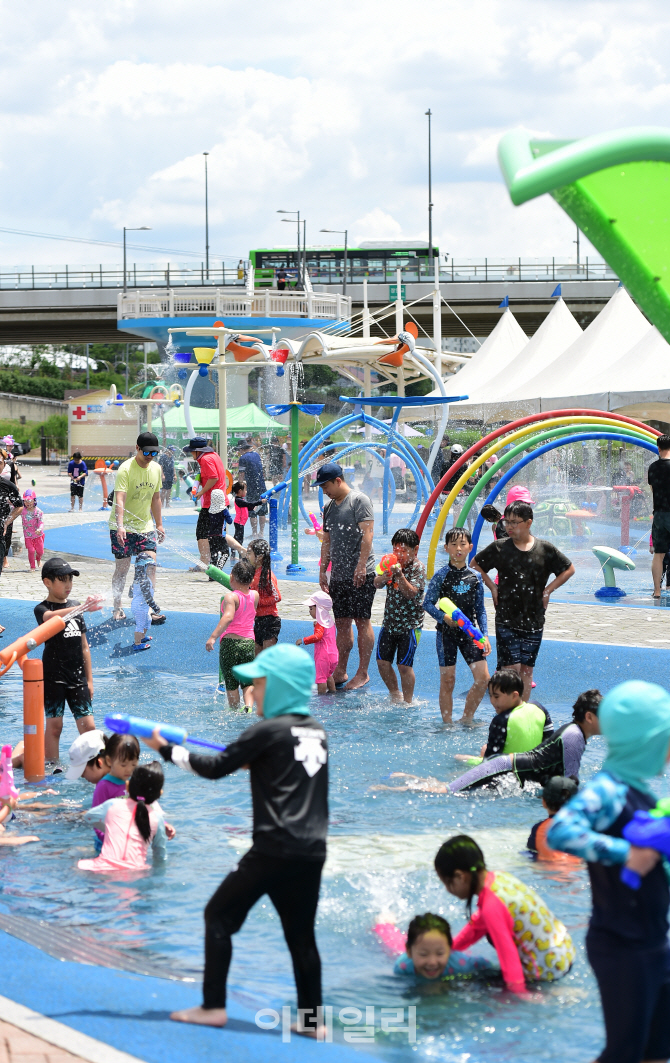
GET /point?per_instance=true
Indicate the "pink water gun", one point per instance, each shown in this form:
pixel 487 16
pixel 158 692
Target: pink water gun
pixel 316 528
pixel 8 791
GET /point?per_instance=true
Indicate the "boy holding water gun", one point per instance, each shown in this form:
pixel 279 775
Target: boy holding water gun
pixel 405 579
pixel 627 939
pixel 465 589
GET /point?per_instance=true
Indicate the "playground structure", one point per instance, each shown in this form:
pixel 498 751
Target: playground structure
pixel 609 560
pixel 319 450
pixel 537 434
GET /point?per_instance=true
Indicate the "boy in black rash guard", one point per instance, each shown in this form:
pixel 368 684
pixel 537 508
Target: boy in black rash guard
pixel 287 754
pixel 465 589
pixel 560 754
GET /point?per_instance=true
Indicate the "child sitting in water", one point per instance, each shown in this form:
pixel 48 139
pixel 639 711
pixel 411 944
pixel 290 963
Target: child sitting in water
pixel 131 824
pixel 235 629
pixel 427 951
pixel 325 647
pixel 121 756
pixel 141 594
pixel 87 758
pixel 518 726
pixel 531 944
pixel 555 794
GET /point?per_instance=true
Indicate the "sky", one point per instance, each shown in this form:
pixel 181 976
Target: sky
pixel 106 109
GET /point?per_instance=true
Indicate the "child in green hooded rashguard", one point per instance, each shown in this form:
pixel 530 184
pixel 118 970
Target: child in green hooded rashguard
pixel 626 942
pixel 287 756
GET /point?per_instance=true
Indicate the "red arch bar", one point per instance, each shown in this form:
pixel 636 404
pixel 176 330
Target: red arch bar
pixel 437 490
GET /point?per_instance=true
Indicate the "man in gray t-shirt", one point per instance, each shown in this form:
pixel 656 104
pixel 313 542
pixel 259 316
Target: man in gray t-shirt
pixel 348 529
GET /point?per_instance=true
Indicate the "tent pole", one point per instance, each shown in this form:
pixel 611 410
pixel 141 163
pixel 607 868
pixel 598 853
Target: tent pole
pixel 295 565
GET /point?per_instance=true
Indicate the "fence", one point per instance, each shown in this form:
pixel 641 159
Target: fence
pixel 171 303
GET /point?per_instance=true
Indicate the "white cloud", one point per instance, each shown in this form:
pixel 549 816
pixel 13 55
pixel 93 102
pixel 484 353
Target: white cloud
pixel 105 112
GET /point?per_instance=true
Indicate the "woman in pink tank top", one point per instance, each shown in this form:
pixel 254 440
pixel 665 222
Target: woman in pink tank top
pixel 236 632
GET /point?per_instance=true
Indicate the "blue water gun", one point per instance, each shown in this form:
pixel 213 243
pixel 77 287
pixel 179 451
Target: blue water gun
pixel 459 617
pixel 136 725
pixel 648 830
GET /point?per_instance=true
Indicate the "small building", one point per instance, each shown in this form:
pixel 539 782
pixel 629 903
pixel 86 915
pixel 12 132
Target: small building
pixel 98 428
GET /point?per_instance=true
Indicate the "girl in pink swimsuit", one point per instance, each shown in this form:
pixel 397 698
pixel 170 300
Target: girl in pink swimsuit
pixel 235 629
pixel 325 647
pixel 131 824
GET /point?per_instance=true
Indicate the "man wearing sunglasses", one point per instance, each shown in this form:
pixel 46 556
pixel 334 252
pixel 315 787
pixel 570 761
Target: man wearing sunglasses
pixel 137 507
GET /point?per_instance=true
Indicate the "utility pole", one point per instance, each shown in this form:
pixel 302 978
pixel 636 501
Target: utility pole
pixel 577 242
pixel 206 153
pixel 88 383
pixel 429 115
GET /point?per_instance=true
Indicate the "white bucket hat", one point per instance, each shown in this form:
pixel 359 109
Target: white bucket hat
pixel 324 608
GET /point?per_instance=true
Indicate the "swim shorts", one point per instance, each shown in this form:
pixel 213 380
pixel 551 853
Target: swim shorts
pixel 78 699
pixel 402 643
pixel 517 647
pixel 136 543
pixel 449 641
pixel 232 651
pixel 266 627
pixel 202 527
pixel 660 533
pixel 239 533
pixel 351 602
pixel 76 490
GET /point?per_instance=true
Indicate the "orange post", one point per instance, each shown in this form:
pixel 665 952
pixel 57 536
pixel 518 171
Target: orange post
pixel 20 647
pixel 33 720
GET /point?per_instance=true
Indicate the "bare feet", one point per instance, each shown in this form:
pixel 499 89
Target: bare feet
pixel 201 1016
pixel 340 678
pixel 317 1032
pixel 358 682
pixel 12 839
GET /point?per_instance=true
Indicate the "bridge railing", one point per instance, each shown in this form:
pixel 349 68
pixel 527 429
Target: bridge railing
pixel 263 303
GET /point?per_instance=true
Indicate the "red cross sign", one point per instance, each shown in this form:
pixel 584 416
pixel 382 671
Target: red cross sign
pixel 79 412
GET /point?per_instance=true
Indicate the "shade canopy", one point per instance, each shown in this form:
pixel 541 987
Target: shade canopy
pixel 247 418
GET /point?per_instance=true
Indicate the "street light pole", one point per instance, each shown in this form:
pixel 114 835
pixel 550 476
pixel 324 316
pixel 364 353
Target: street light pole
pixel 346 237
pixel 206 153
pixel 286 219
pixel 130 229
pixel 429 115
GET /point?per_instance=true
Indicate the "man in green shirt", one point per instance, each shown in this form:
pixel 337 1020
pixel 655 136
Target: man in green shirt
pixel 137 507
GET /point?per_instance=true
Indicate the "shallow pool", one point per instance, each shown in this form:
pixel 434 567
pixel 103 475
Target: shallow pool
pixel 380 850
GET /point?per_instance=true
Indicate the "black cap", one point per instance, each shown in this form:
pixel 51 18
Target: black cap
pixel 330 471
pixel 55 566
pixel 147 439
pixel 558 790
pixel 199 443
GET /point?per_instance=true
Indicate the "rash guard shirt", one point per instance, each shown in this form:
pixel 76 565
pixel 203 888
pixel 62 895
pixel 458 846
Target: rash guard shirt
pixel 288 760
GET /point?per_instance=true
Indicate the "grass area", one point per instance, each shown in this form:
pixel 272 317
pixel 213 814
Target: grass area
pixel 55 428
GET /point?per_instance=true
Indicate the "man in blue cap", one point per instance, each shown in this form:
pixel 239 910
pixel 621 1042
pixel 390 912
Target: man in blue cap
pixel 287 757
pixel 212 477
pixel 348 529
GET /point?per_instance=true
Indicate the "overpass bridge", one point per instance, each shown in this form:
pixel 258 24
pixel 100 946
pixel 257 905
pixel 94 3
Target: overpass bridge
pixel 88 304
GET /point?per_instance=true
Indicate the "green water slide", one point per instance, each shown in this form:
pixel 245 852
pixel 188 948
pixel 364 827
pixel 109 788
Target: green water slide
pixel 616 188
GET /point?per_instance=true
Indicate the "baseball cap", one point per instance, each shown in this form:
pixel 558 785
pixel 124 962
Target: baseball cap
pixel 83 749
pixel 55 566
pixel 198 443
pixel 330 471
pixel 456 448
pixel 518 494
pixel 558 790
pixel 147 439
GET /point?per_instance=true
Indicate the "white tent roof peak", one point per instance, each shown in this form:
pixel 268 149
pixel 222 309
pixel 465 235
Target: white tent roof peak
pixel 497 351
pixel 558 330
pixel 617 328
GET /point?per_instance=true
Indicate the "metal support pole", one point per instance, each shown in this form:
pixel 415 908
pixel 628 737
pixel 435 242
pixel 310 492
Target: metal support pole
pixel 366 318
pixel 437 317
pixel 125 286
pixel 429 115
pixel 223 408
pixel 367 387
pixel 88 382
pixel 206 153
pixel 398 303
pixel 344 278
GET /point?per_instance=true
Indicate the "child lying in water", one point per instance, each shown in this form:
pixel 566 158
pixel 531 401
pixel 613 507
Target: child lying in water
pixel 427 951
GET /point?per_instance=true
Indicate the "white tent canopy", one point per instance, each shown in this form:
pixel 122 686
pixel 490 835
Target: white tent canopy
pixel 556 333
pixel 617 328
pixel 497 351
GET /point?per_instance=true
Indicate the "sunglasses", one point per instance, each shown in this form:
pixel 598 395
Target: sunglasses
pixel 152 453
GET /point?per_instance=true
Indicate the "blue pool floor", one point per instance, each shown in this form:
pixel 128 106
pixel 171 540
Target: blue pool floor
pixel 381 847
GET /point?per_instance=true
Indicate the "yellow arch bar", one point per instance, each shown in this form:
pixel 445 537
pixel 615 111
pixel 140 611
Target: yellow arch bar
pixel 498 444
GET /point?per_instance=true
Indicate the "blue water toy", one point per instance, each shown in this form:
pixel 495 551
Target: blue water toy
pixel 648 830
pixel 609 560
pixel 137 725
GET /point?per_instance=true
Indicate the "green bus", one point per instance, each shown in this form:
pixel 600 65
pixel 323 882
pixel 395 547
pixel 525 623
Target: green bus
pixel 375 260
